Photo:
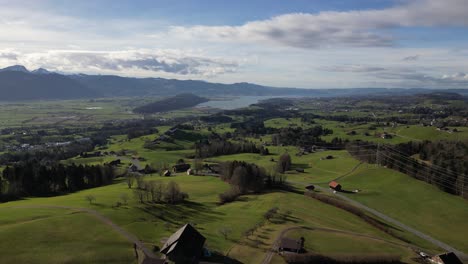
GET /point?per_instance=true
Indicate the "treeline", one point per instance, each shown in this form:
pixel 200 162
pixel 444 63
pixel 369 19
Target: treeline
pixel 220 147
pixel 246 177
pixel 297 136
pixel 447 168
pixel 33 178
pixel 53 153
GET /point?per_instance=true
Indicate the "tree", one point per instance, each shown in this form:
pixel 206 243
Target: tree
pixel 173 194
pixel 239 178
pixel 284 163
pixel 225 232
pixel 130 181
pixel 90 198
pixel 124 198
pixel 139 195
pixel 197 165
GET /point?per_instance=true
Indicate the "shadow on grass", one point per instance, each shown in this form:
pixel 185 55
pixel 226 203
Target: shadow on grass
pixel 178 214
pixel 217 257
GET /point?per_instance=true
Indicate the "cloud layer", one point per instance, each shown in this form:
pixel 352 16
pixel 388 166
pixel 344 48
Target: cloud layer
pixel 169 61
pixel 353 28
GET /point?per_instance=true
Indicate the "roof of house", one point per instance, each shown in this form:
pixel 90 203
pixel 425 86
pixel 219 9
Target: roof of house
pixel 187 238
pixel 182 165
pixel 450 258
pixel 333 184
pixel 290 244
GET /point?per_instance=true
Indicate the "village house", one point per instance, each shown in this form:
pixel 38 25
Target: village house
pixel 335 186
pixel 184 246
pixel 180 167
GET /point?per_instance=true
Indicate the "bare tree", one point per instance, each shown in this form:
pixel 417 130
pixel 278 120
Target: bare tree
pixel 225 232
pixel 130 180
pixel 139 195
pixel 90 198
pixel 124 198
pixel 197 165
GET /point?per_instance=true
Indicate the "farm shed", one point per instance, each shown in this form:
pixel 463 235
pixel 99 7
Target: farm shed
pixel 446 258
pixel 290 245
pixel 335 186
pixel 180 167
pixel 184 246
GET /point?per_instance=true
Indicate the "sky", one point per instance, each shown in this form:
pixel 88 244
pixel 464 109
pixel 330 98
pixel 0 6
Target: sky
pixel 296 43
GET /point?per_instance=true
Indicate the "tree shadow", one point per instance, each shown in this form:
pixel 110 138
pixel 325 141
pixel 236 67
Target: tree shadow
pixel 178 214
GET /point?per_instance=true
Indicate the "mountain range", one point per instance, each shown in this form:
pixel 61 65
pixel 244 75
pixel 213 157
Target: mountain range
pixel 18 83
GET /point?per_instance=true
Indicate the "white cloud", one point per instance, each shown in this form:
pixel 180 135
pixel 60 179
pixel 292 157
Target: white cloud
pixel 351 68
pixel 151 61
pixel 325 29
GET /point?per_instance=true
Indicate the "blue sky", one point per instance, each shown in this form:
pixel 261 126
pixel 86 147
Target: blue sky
pixel 300 43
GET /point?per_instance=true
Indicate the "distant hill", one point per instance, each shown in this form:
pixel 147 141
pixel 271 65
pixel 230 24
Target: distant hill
pixel 179 101
pixel 17 83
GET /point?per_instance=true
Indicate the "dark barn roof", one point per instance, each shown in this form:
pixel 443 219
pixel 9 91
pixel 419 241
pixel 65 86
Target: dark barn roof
pixel 449 258
pixel 181 167
pixel 290 245
pixel 186 243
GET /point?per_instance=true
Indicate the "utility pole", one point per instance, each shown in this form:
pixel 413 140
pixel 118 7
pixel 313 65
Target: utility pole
pixel 377 155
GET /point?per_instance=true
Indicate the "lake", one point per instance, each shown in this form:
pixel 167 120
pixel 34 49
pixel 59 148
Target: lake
pixel 229 103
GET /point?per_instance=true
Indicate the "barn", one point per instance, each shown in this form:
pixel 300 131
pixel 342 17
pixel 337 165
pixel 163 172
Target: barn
pixel 180 167
pixel 446 258
pixel 335 186
pixel 184 246
pixel 290 245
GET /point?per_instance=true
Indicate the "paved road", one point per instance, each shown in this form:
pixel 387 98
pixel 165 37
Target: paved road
pixel 387 218
pixel 400 225
pixel 130 237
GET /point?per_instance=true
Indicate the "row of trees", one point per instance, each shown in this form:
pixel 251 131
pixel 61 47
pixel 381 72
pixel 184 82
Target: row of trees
pixel 33 178
pixel 446 168
pixel 247 177
pixel 297 136
pixel 222 147
pixel 158 192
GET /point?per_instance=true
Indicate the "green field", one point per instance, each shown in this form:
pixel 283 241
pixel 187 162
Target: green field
pixel 413 202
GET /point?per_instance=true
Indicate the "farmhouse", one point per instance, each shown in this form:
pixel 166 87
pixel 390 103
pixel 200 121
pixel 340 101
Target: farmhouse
pixel 446 258
pixel 184 246
pixel 181 167
pixel 291 245
pixel 335 186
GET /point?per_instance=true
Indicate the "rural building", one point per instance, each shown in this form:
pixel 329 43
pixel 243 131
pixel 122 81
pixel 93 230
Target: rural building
pixel 133 168
pixel 184 246
pixel 335 186
pixel 181 167
pixel 446 258
pixel 291 245
pixel 310 187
